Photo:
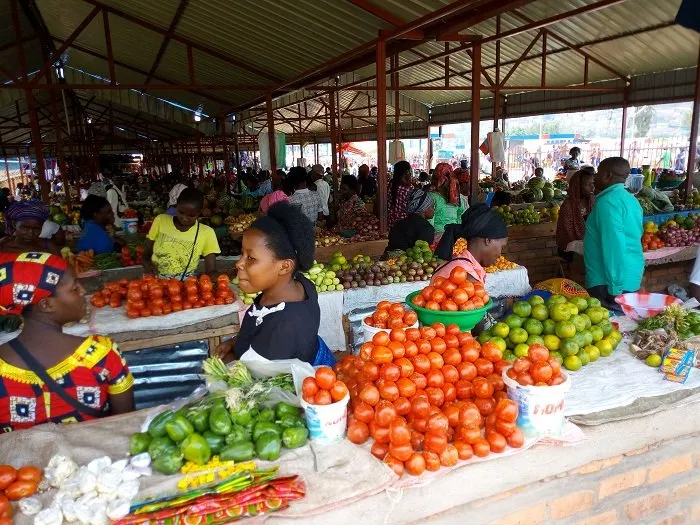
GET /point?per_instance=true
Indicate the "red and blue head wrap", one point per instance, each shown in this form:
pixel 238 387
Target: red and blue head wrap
pixel 27 278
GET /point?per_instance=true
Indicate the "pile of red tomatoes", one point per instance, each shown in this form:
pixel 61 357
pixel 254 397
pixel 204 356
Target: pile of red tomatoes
pixel 429 397
pixel 457 293
pixel 151 296
pixel 391 315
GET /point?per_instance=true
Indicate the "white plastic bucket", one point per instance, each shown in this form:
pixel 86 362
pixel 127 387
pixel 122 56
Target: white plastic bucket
pixel 369 331
pixel 327 423
pixel 540 408
pixel 130 225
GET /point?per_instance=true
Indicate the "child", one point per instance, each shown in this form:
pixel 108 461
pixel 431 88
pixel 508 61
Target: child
pixel 309 201
pixel 539 173
pixel 283 321
pixel 175 244
pixel 69 379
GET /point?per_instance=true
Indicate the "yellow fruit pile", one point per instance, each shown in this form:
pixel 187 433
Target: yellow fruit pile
pixel 459 246
pixel 501 264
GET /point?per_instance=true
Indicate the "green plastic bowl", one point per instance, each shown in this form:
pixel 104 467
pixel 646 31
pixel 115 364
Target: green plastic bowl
pixel 465 320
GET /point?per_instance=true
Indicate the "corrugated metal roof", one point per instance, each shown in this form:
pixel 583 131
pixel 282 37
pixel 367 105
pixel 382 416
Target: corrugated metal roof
pixel 283 38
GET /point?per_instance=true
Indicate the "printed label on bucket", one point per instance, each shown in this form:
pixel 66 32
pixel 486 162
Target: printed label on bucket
pixel 327 423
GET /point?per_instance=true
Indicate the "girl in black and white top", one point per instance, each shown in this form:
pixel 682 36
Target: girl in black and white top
pixel 283 321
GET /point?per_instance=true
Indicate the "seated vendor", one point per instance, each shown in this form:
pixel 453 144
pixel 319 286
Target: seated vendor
pixel 446 196
pixel 351 205
pixel 24 221
pixel 486 234
pixel 571 223
pixel 415 226
pixel 175 244
pixel 69 380
pixel 283 321
pixel 96 215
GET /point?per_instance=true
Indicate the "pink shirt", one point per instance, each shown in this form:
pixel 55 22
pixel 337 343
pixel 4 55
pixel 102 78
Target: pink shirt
pixel 272 198
pixel 471 265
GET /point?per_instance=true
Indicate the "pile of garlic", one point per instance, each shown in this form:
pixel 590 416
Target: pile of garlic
pixel 95 494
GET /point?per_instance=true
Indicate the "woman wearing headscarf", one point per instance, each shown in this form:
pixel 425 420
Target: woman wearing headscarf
pixel 47 376
pixel 462 176
pixel 351 205
pixel 399 191
pixel 415 226
pixel 24 221
pixel 486 235
pixel 571 224
pixel 172 199
pixel 448 208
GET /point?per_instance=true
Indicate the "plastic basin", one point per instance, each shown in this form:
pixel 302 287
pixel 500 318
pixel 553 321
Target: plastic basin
pixel 641 305
pixel 465 320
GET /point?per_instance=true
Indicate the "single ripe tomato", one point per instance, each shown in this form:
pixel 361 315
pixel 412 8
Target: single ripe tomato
pixel 420 407
pixel 363 412
pixel 21 489
pixel 449 456
pixel 30 473
pixel 402 406
pixel 358 432
pixel 507 410
pixel 395 464
pixel 469 416
pixel 497 442
pixel 309 387
pixel 5 509
pixel 481 448
pixel 384 413
pixel 370 395
pixel 325 377
pixel 8 474
pixel 432 460
pixel 516 439
pixel 323 397
pixel 380 450
pixel 415 465
pixel 338 391
pixel 458 275
pixel 435 442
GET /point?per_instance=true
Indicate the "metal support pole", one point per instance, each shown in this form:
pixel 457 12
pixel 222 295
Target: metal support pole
pixel 36 142
pixel 271 134
pixel 496 96
pixel 59 148
pixel 21 170
pixel 397 102
pixel 623 130
pixel 341 155
pixel 476 109
pixel 694 123
pixel 334 139
pixel 381 136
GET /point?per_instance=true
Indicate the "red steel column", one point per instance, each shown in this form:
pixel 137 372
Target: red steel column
pixel 476 108
pixel 694 123
pixel 7 172
pixel 36 142
pixel 271 134
pixel 381 136
pixel 334 140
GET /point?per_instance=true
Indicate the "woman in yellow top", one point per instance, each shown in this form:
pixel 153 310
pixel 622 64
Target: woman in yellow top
pixel 45 374
pixel 175 244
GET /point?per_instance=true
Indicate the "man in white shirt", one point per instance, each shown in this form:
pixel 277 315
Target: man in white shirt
pixel 322 188
pixel 309 201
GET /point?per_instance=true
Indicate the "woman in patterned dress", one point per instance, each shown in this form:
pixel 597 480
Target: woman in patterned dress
pixel 91 374
pixel 399 191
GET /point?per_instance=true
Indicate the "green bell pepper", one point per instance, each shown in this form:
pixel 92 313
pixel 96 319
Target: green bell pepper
pixel 178 428
pixel 295 437
pixel 266 414
pixel 199 419
pixel 291 422
pixel 239 433
pixel 195 448
pixel 242 417
pixel 265 427
pixel 219 422
pixel 169 461
pixel 139 443
pixel 268 446
pixel 158 445
pixel 239 451
pixel 157 427
pixel 285 409
pixel 215 441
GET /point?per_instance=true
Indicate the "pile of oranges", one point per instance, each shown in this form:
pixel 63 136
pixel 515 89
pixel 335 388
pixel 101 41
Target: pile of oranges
pixel 391 315
pixel 538 368
pixel 16 484
pixel 501 264
pixel 151 296
pixel 457 293
pixel 429 397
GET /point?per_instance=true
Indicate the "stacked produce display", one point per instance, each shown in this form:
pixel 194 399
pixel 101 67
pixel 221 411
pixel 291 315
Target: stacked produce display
pixel 153 296
pixel 576 331
pixel 429 397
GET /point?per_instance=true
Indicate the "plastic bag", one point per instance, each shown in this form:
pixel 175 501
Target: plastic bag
pixel 259 366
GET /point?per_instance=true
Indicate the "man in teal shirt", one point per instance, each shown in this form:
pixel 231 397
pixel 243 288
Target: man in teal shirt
pixel 612 245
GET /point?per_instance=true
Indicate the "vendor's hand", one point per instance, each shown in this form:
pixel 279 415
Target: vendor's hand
pixel 224 351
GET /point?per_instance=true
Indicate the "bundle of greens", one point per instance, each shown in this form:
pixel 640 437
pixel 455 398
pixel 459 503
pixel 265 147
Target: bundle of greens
pixel 674 320
pixel 244 392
